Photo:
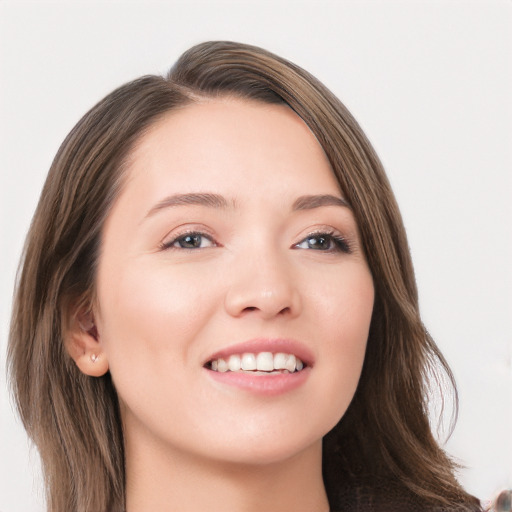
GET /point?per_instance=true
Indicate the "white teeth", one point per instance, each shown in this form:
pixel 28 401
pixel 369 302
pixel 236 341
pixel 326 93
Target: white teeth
pixel 249 362
pixel 234 363
pixel 280 361
pixel 290 363
pixel 265 361
pixel 261 362
pixel 222 366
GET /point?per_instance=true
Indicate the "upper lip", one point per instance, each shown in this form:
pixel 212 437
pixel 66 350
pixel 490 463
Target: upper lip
pixel 274 345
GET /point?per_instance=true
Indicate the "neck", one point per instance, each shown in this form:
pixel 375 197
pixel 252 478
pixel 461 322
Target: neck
pixel 163 480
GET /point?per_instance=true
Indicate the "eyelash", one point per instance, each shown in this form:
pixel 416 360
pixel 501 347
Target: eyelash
pixel 182 236
pixel 340 243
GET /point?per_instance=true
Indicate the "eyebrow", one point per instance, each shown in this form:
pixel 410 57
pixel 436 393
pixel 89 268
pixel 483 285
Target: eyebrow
pixel 217 201
pixel 209 200
pixel 311 202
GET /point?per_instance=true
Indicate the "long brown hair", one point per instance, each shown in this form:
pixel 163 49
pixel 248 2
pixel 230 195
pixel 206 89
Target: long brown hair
pixel 383 439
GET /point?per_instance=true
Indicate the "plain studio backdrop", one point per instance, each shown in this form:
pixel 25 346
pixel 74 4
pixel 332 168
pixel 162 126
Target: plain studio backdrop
pixel 430 84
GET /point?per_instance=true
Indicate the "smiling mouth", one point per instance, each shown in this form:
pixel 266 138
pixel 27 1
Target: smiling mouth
pixel 261 363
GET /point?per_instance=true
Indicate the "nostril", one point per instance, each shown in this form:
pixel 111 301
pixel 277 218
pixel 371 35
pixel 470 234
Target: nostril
pixel 283 311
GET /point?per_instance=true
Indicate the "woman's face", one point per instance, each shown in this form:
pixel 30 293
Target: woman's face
pixel 230 243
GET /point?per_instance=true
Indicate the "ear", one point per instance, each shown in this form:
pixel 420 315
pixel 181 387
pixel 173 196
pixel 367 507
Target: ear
pixel 83 344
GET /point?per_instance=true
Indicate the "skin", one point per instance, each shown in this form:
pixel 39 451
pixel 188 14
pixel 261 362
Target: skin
pixel 191 443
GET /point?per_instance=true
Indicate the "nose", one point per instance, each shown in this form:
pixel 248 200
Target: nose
pixel 262 285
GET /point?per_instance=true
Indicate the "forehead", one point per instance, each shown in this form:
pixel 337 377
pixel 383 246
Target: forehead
pixel 212 142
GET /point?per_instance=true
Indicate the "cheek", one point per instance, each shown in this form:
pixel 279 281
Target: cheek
pixel 343 316
pixel 148 314
pixel 344 305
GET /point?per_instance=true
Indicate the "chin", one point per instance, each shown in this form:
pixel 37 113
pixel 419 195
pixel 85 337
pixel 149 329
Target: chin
pixel 264 446
pixel 269 453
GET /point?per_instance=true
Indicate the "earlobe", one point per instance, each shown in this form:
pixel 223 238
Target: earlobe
pixel 94 364
pixel 83 345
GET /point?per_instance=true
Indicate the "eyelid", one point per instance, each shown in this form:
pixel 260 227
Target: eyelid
pixel 343 243
pixel 171 238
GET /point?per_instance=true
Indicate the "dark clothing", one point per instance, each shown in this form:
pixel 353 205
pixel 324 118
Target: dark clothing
pixel 388 498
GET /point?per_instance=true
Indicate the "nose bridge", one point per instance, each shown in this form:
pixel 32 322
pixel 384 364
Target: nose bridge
pixel 261 282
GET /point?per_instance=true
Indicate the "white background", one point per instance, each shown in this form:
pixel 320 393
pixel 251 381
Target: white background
pixel 429 82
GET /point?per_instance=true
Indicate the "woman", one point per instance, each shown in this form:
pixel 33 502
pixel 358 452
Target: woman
pixel 217 307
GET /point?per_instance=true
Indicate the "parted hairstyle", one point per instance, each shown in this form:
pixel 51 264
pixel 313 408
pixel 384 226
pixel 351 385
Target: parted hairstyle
pixel 383 444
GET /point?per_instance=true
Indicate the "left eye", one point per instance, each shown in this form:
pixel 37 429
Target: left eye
pixel 324 242
pixel 190 241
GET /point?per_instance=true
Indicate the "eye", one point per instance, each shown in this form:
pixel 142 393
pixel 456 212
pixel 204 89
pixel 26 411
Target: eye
pixel 193 240
pixel 327 242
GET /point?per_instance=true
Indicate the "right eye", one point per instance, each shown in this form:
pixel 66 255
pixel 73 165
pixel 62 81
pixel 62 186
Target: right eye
pixel 189 241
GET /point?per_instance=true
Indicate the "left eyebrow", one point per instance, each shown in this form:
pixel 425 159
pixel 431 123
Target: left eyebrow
pixel 310 202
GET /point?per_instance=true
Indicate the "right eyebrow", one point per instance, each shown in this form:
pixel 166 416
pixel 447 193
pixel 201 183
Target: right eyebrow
pixel 198 199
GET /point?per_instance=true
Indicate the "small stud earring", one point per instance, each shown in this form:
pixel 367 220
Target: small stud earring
pixel 94 358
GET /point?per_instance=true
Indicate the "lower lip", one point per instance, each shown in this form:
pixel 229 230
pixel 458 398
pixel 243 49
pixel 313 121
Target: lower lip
pixel 269 385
